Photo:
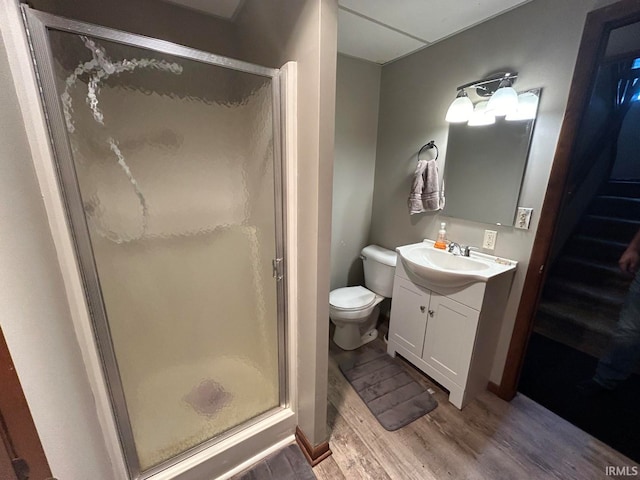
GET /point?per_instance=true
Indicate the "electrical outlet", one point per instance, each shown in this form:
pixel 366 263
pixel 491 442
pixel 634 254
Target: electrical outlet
pixel 523 218
pixel 489 239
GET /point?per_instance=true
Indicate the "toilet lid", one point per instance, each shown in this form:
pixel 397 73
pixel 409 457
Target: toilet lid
pixel 351 298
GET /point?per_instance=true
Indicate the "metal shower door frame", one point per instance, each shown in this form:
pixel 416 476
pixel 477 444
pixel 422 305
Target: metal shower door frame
pixel 37 26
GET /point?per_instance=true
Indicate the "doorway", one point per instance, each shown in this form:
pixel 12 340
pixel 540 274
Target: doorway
pixel 573 289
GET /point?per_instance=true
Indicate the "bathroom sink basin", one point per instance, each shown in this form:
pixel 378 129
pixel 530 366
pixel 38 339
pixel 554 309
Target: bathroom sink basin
pixel 441 268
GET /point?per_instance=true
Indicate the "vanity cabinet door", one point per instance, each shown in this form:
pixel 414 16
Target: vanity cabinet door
pixel 409 315
pixel 450 337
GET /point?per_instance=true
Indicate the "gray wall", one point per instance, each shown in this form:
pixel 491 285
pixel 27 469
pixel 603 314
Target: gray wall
pixel 540 40
pixel 357 101
pixel 593 121
pixel 305 31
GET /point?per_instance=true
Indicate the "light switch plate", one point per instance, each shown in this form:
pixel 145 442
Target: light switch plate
pixel 523 218
pixel 489 239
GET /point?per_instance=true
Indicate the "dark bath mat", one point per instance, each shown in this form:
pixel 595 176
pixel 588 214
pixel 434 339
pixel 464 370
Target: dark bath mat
pixel 394 398
pixel 286 464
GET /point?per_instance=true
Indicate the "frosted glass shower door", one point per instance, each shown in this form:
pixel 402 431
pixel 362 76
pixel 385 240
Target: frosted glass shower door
pixel 169 160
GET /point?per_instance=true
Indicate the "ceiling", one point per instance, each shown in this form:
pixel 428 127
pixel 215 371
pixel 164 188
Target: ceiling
pixel 381 31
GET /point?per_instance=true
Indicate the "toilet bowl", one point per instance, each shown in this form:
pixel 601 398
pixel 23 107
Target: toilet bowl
pixel 355 310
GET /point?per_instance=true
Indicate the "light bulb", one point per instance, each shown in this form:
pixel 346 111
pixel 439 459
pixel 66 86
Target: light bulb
pixel 480 116
pixel 504 101
pixel 460 109
pixel 527 107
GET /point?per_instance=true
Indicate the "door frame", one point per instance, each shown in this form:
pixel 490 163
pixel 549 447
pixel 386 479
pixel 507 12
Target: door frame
pixel 18 434
pixel 594 41
pixel 252 442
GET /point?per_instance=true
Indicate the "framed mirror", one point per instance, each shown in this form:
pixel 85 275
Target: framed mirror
pixel 484 168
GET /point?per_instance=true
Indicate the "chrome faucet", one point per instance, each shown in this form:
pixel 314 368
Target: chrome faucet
pixel 462 250
pixel 453 246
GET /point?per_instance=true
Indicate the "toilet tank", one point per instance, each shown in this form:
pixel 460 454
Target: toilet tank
pixel 379 269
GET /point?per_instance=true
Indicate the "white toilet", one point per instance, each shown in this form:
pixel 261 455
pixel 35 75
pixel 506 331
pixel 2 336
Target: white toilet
pixel 355 310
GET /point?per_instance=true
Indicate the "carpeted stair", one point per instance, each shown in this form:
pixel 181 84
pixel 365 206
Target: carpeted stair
pixel 585 288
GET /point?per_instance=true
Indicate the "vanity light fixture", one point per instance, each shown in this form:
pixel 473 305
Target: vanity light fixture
pixel 503 99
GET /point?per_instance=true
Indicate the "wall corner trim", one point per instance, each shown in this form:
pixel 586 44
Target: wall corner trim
pixel 499 391
pixel 313 454
pixel 493 388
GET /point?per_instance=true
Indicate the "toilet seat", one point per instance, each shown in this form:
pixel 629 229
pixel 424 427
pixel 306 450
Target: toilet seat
pixel 351 298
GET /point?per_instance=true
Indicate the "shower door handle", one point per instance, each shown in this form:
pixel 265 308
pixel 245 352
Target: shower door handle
pixel 277 269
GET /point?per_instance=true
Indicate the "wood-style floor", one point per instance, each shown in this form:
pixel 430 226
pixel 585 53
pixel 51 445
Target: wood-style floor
pixel 489 439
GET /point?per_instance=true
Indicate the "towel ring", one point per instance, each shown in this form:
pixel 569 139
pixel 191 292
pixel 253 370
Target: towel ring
pixel 428 146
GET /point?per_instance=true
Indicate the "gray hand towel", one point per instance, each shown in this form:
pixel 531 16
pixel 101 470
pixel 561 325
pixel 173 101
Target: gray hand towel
pixel 426 195
pixel 415 197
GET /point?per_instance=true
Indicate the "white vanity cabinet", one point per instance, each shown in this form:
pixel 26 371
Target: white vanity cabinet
pixel 449 333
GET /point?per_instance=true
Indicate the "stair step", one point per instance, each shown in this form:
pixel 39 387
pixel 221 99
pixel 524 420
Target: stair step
pixel 585 289
pixel 596 248
pixel 591 343
pixel 592 293
pixel 612 228
pixel 605 274
pixel 621 188
pixel 618 207
pixel 590 320
pixel 605 301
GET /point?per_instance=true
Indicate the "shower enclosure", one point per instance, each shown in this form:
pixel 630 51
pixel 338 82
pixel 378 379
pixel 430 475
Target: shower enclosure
pixel 169 160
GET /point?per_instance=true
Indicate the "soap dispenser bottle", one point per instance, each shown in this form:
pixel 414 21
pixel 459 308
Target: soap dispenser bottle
pixel 441 241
